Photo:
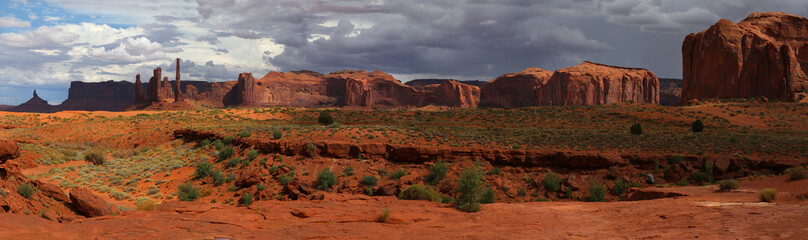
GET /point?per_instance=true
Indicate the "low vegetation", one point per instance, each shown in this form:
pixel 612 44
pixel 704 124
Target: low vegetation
pixel 767 194
pixel 728 184
pixel 26 190
pixel 551 182
pixel 188 192
pixel 384 216
pixel 419 192
pixel 95 157
pixel 470 189
pixel 326 179
pixel 437 172
pixel 597 193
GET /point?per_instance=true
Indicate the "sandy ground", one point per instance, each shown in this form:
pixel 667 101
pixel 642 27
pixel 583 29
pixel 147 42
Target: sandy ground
pixel 705 214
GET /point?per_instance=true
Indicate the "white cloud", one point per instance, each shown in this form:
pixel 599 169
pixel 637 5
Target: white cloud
pixel 132 50
pixel 649 15
pixel 47 37
pixel 33 16
pixel 9 21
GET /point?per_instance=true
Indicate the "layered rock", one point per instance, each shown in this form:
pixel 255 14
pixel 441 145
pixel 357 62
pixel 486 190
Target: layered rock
pixel 765 55
pixel 452 93
pixel 592 83
pixel 514 89
pixel 300 88
pixel 360 88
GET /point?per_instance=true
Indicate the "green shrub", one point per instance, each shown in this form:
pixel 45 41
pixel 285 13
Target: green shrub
pixel 244 134
pixel 470 189
pixel 326 179
pixel 218 144
pixel 397 174
pixel 251 154
pixel 551 182
pixel 246 199
pixel 542 199
pixel 218 178
pixel 656 166
pixel 95 157
pixel 798 173
pixel 697 176
pixel 233 162
pixel 260 187
pixel 204 143
pixel 230 177
pixel 26 190
pixel 728 184
pixel 635 184
pixel 683 182
pixel 698 126
pixel 277 134
pixel 419 192
pixel 636 129
pixel 489 196
pixel 597 193
pixel 146 204
pixel 203 169
pixel 369 181
pixel 767 194
pixel 446 199
pixel 384 215
pixel 226 153
pixel 325 118
pixel 227 140
pixel 620 187
pixel 348 171
pixel 311 149
pixel 437 172
pixel 188 192
pixel 285 179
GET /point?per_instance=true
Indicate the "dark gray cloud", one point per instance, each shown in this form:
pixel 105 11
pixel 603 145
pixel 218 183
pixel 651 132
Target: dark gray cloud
pixel 477 37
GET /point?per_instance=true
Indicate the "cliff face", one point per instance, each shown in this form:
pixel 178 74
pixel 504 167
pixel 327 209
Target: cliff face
pixel 100 96
pixel 515 89
pixel 591 84
pixel 766 54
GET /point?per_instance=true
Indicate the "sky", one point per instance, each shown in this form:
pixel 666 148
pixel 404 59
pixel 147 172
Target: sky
pixel 46 44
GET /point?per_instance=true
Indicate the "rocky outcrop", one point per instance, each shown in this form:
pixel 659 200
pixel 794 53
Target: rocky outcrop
pixel 177 85
pixel 8 150
pixel 154 86
pixel 765 55
pixel 592 84
pixel 35 104
pixel 300 88
pixel 452 93
pixel 360 88
pixel 140 95
pixel 90 205
pixel 514 89
pixel 99 96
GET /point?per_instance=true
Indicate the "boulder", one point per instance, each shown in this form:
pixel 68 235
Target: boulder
pixel 88 204
pixel 593 83
pixel 765 55
pixel 514 89
pixel 8 150
pixel 52 191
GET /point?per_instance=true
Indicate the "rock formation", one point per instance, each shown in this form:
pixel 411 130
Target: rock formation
pixel 514 89
pixel 452 93
pixel 670 91
pixel 90 205
pixel 140 96
pixel 360 88
pixel 421 83
pixel 35 104
pixel 177 86
pixel 592 83
pixel 8 150
pixel 765 55
pixel 154 86
pixel 99 96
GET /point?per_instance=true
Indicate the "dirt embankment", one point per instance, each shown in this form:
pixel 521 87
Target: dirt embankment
pixel 726 166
